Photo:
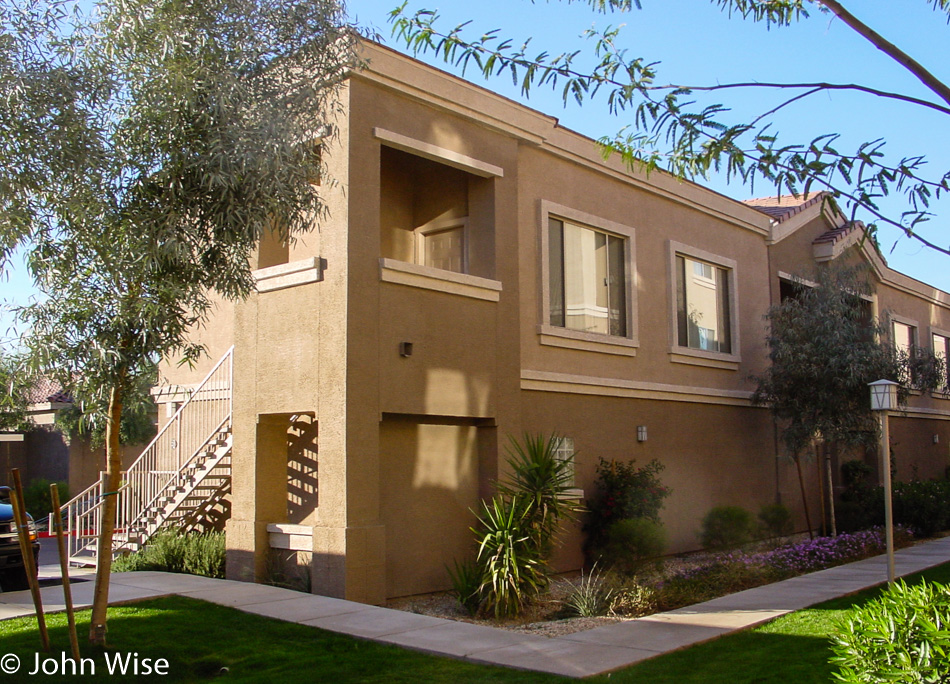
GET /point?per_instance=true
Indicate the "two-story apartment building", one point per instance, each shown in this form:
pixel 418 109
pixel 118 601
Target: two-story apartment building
pixel 484 273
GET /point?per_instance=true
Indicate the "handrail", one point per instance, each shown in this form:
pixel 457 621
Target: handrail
pixel 189 431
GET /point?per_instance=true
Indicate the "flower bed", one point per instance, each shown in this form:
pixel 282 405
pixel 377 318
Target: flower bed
pixel 728 572
pixel 674 583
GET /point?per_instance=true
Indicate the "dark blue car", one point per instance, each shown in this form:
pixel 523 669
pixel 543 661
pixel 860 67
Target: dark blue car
pixel 12 569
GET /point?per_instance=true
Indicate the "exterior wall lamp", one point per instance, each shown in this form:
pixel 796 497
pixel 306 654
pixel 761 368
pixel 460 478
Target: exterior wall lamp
pixel 884 399
pixel 641 433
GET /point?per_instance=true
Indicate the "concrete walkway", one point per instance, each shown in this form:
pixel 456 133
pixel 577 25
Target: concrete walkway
pixel 582 654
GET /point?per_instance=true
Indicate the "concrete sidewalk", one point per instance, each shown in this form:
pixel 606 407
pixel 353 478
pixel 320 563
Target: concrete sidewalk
pixel 582 654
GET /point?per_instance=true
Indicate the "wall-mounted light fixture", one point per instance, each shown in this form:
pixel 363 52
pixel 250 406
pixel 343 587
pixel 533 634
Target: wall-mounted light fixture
pixel 405 349
pixel 641 433
pixel 936 439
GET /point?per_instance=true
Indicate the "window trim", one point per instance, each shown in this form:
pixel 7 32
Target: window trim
pixel 943 391
pixel 577 339
pixel 903 320
pixel 702 357
pixel 437 226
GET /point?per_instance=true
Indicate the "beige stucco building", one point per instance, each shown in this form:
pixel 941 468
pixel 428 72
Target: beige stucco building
pixel 483 273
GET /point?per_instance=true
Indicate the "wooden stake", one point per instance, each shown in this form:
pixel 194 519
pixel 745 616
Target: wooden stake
pixel 801 484
pixel 64 568
pixel 29 566
pixel 821 489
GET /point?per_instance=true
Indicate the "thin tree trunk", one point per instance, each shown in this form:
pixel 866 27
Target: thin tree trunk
pixel 821 489
pixel 100 601
pixel 801 484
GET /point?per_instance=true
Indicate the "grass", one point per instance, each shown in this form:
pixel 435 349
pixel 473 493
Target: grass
pixel 792 648
pixel 199 639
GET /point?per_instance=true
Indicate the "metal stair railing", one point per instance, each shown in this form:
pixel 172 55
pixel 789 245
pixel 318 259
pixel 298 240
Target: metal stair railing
pixel 179 486
pixel 196 422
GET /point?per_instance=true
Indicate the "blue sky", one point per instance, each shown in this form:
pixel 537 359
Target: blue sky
pixel 698 44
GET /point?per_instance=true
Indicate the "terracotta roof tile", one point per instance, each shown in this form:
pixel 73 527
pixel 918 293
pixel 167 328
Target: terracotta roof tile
pixel 783 207
pixel 833 236
pixel 47 391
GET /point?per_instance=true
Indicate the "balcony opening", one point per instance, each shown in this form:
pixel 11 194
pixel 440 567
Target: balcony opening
pixel 434 215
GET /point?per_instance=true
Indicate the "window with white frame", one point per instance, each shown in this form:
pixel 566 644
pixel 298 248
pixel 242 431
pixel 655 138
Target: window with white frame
pixel 587 279
pixel 564 452
pixel 704 314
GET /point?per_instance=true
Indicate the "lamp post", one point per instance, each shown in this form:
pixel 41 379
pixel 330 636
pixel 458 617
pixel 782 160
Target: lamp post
pixel 884 399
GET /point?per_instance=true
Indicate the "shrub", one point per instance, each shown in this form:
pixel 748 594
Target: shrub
pixel 855 474
pixel 622 491
pixel 37 499
pixel 775 521
pixel 903 636
pixel 511 571
pixel 726 526
pixel 726 574
pixel 922 506
pixel 632 600
pixel 193 554
pixel 466 580
pixel 590 596
pixel 632 540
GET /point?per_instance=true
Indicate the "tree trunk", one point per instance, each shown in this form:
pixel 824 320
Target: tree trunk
pixel 801 484
pixel 113 480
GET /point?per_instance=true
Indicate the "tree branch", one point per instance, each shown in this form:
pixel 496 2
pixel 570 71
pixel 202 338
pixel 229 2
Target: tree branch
pixel 815 86
pixel 889 49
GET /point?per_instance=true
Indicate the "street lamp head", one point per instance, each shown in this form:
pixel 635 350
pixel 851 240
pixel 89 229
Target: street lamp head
pixel 883 395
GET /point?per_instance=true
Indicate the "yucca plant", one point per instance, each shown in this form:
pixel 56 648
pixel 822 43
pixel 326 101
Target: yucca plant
pixel 541 481
pixel 466 578
pixel 507 554
pixel 591 595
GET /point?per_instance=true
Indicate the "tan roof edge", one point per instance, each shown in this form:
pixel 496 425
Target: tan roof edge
pixel 782 229
pixel 410 77
pixel 895 279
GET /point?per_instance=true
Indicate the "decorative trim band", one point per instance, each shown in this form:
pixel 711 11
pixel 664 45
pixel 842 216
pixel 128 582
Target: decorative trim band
pixel 544 381
pixel 428 278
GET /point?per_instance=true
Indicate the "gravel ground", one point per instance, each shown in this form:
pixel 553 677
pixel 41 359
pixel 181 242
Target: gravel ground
pixel 539 619
pixel 543 619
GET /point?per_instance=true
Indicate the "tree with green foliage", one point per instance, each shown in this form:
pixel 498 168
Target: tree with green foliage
pixel 145 148
pixel 14 386
pixel 136 426
pixel 668 127
pixel 824 348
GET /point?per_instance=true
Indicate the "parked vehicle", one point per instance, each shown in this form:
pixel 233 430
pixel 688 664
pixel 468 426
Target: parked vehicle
pixel 12 568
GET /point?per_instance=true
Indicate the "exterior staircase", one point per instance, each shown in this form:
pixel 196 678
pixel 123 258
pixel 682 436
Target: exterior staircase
pixel 181 481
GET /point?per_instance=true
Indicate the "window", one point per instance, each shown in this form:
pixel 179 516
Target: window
pixel 564 451
pixel 441 244
pixel 587 279
pixel 905 337
pixel 941 348
pixel 703 315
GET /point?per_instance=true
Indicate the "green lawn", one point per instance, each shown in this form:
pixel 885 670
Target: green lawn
pixel 199 639
pixel 793 648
